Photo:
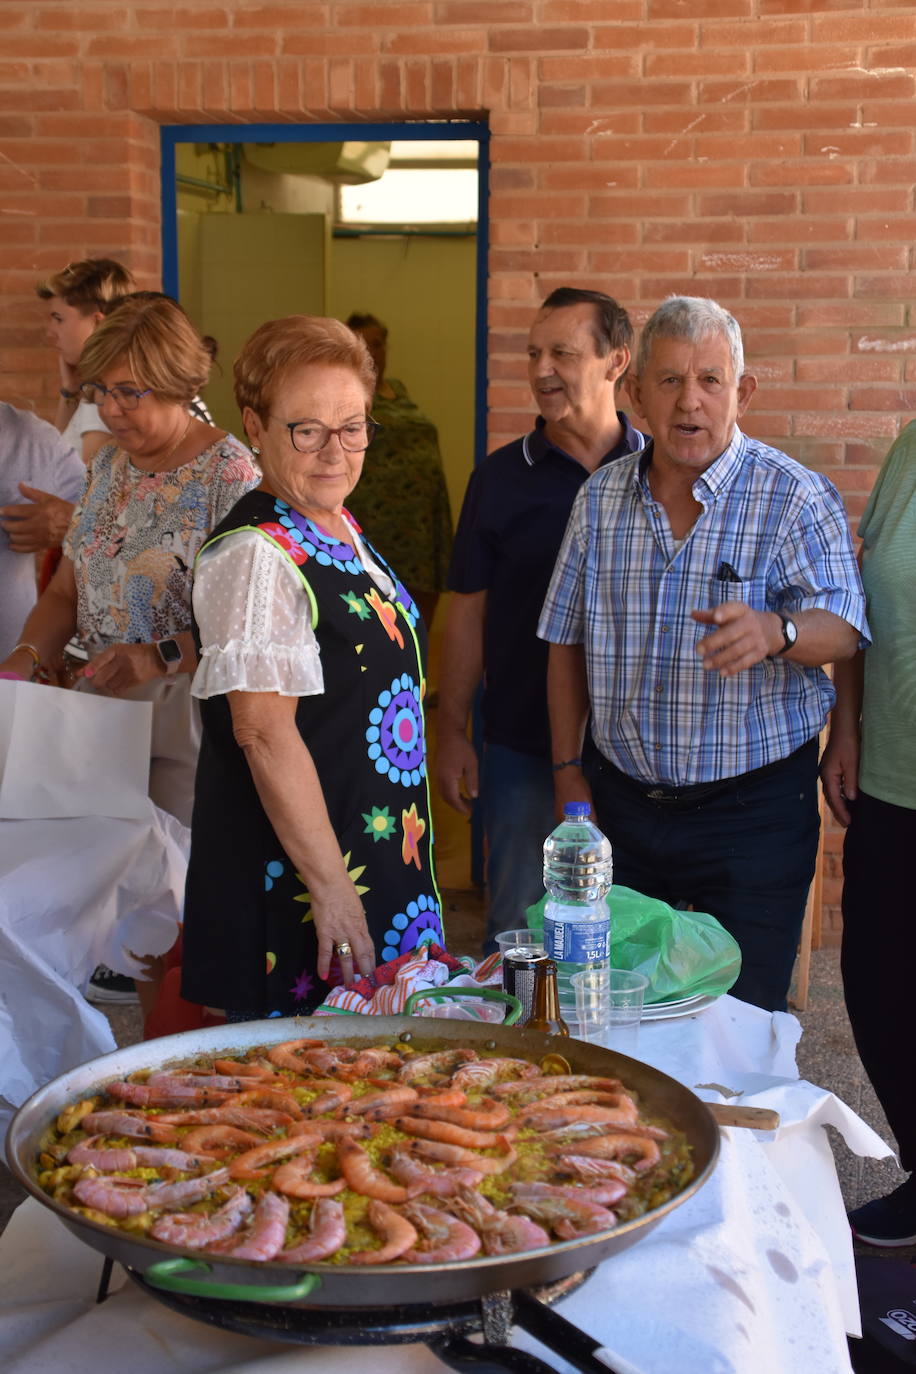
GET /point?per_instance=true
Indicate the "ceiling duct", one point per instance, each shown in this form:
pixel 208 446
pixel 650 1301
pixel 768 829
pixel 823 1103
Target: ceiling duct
pixel 347 164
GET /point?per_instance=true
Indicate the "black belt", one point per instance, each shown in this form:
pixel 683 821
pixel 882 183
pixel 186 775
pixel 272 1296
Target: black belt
pixel 663 795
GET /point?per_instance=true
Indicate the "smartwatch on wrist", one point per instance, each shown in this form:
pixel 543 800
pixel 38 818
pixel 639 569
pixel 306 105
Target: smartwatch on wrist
pixel 170 653
pixel 789 633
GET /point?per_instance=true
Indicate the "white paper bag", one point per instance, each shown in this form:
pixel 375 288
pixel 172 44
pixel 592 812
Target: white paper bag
pixel 65 753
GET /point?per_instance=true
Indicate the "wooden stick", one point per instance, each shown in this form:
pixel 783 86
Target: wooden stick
pixel 754 1118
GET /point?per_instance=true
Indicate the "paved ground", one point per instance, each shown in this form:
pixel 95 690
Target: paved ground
pixel 826 1056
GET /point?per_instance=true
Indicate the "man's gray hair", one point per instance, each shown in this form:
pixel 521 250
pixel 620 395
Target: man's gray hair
pixel 693 318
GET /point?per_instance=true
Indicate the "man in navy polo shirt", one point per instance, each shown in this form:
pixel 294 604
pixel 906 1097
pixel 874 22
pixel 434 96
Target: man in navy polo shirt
pixel 509 533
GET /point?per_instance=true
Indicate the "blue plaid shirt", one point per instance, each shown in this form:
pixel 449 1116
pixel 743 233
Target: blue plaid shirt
pixel 772 534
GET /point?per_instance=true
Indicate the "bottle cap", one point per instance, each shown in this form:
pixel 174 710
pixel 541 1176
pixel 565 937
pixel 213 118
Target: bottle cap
pixel 577 810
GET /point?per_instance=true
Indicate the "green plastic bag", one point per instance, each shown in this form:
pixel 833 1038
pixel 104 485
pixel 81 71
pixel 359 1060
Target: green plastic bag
pixel 682 953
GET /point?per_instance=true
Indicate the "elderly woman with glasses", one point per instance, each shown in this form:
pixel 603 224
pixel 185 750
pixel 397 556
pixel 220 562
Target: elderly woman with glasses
pixel 122 587
pixel 311 838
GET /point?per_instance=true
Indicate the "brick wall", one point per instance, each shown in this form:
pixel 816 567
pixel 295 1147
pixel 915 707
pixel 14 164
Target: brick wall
pixel 760 151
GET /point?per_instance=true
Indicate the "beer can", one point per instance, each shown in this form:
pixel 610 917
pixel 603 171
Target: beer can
pixel 519 965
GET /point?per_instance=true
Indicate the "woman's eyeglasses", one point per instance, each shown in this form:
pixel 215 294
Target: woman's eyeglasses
pixel 308 436
pixel 127 397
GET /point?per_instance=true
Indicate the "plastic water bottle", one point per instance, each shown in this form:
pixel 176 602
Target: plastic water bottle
pixel 577 875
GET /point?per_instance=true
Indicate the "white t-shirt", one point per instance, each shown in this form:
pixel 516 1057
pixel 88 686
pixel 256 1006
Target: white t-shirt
pixel 84 420
pixel 255 621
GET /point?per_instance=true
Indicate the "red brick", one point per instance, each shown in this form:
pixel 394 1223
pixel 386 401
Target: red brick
pixel 760 260
pixel 740 90
pixel 800 286
pixel 601 234
pixel 751 203
pixel 691 230
pixel 696 175
pixel 649 209
pixel 899 344
pixel 527 39
pixel 537 260
pixel 761 33
pixel 882 398
pixel 620 123
pixel 682 121
pixel 700 9
pixel 860 143
pixel 692 64
pixel 805 58
pixel 78 18
pixel 585 176
pixel 800 229
pixel 805 171
pixel 641 93
pixel 243 45
pixel 588 11
pixel 856 200
pixel 634 262
pixel 157 20
pixel 39 45
pixel 543 206
pixel 538 150
pixel 864 85
pixel 851 425
pixel 420 41
pixel 410 14
pixel 562 97
pixel 596 66
pixel 847 370
pixel 16 126
pixel 275 17
pixel 484 12
pixel 888 286
pixel 825 118
pixel 862 28
pixel 854 257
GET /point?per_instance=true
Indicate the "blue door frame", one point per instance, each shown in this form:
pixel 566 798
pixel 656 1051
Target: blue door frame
pixel 171 134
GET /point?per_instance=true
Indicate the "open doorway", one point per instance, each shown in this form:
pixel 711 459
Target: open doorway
pixel 261 221
pixel 268 220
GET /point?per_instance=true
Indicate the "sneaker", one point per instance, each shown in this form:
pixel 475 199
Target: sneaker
pixel 888 1221
pixel 107 986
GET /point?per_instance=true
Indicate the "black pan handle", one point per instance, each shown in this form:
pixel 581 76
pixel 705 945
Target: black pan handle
pixel 467 1357
pixel 558 1334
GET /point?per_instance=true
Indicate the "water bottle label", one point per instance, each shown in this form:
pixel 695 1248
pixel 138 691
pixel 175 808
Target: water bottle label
pixel 577 942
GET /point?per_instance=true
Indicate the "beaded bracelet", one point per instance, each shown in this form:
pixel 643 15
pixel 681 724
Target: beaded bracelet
pixel 567 763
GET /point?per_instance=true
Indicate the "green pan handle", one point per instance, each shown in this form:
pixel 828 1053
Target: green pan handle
pixel 478 994
pixel 174 1276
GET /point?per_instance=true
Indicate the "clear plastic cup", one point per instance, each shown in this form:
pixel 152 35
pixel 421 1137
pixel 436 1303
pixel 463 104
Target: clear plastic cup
pixel 609 1006
pixel 514 939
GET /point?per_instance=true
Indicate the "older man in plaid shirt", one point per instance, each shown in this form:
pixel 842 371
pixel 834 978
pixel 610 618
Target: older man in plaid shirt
pixel 700 587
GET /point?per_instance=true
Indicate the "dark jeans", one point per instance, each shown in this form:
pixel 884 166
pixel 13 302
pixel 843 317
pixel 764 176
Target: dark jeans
pixel 879 956
pixel 743 850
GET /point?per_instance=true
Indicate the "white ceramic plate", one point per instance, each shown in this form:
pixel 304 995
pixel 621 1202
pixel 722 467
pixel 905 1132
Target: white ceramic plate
pixel 682 1006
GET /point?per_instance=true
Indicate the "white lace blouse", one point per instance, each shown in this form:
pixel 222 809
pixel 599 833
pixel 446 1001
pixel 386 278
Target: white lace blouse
pixel 255 619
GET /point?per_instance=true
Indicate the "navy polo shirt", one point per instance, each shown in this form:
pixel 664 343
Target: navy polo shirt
pixel 509 534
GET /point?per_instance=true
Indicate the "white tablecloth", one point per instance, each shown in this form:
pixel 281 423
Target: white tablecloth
pixel 76 893
pixel 754 1273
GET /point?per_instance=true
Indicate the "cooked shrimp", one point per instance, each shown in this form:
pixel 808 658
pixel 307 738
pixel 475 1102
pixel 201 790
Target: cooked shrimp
pixel 246 1118
pixel 449 1238
pixel 139 1156
pixel 271 1098
pixel 142 1095
pixel 289 1054
pixel 332 1130
pixel 541 1085
pixel 594 1171
pixel 266 1231
pixel 218 1140
pixel 581 1096
pixel 568 1216
pixel 362 1175
pixel 396 1232
pixel 174 1082
pixel 332 1096
pixel 369 1062
pixel 185 1190
pixel 327 1233
pixel 502 1233
pixel 420 1178
pixel 387 1102
pixel 489 1071
pixel 456 1154
pixel 132 1124
pixel 640 1149
pixel 439 1062
pixel 249 1164
pixel 193 1230
pixel 544 1117
pixel 486 1116
pixel 446 1097
pixel 246 1068
pixel 117 1198
pixel 444 1130
pixel 293 1179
